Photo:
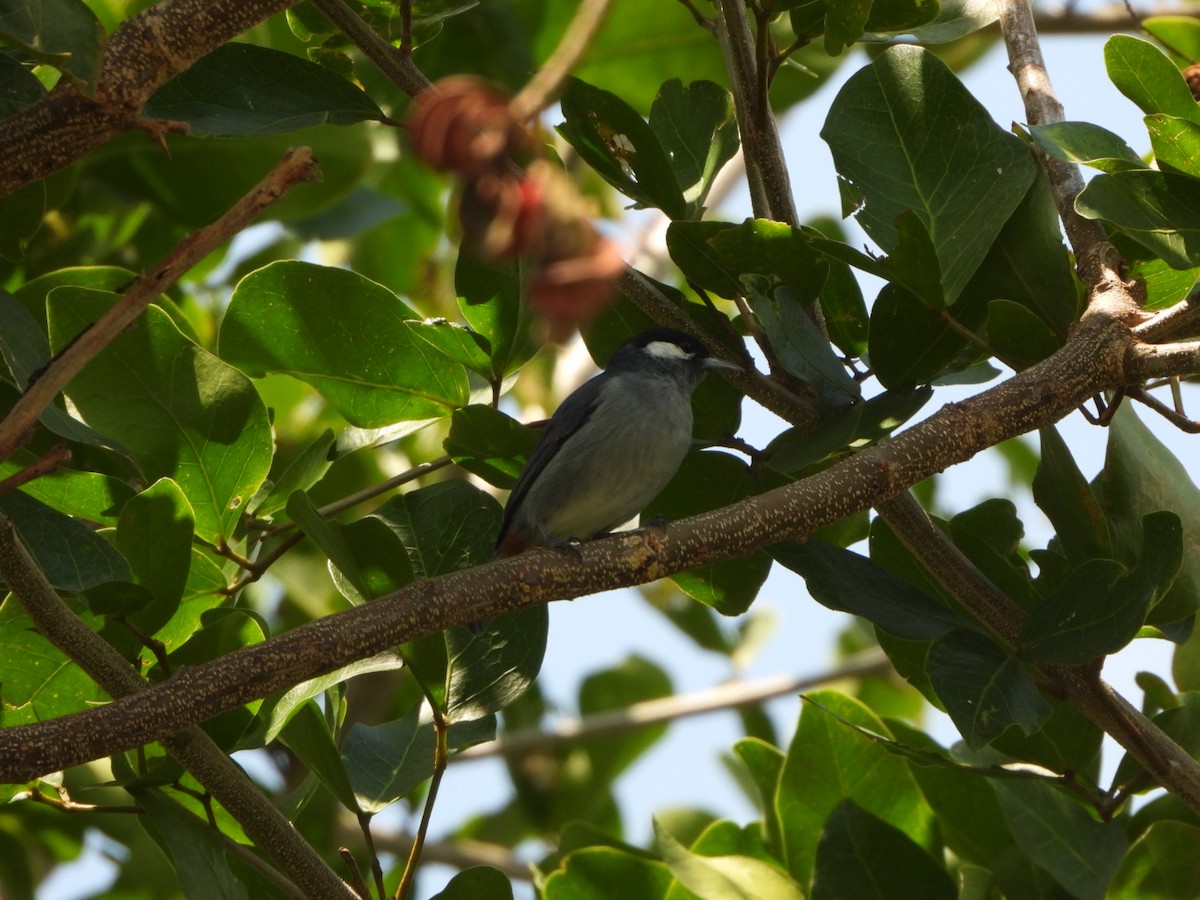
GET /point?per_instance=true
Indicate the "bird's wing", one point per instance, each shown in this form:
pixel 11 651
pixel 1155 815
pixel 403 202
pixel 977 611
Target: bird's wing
pixel 567 419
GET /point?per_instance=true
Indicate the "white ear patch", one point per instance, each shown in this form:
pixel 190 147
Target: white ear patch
pixel 667 350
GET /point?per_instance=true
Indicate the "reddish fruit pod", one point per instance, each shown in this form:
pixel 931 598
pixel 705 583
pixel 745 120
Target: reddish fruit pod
pixel 568 292
pixel 1192 76
pixel 463 125
pixel 502 215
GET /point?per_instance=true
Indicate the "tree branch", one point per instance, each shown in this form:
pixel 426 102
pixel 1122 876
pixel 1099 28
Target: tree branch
pixel 1090 362
pixel 144 53
pixel 193 749
pixel 395 64
pixel 297 166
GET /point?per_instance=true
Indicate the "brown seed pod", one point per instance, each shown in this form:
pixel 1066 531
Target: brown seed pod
pixel 463 125
pixel 1192 76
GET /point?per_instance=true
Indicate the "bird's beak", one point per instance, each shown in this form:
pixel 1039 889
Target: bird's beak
pixel 713 363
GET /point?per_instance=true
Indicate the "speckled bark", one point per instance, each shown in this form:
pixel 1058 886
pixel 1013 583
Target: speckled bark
pixel 139 57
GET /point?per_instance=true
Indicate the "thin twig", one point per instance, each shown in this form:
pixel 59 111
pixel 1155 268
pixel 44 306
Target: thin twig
pixel 297 166
pixel 732 695
pixel 356 876
pixel 1176 418
pixel 540 91
pixel 364 824
pixel 50 461
pixel 441 754
pixel 396 65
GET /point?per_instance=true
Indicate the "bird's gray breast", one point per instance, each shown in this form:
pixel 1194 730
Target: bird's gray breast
pixel 606 473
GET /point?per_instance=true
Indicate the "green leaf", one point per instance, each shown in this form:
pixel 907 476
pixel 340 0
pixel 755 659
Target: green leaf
pixel 345 336
pixel 1062 493
pixel 70 554
pixel 64 34
pixel 728 876
pixel 1084 618
pixel 155 535
pixel 444 527
pixel 913 261
pixel 901 16
pixel 826 764
pixel 615 141
pixel 21 215
pixel 1159 210
pixel 802 348
pixel 489 670
pixel 1162 864
pixel 777 249
pixel 957 19
pixel 1176 143
pixel 1086 144
pixel 882 127
pixel 181 411
pixel 1180 723
pixel 454 341
pixel 911 344
pixel 386 762
pixel 985 690
pixel 477 883
pixel 706 481
pixel 490 300
pixel 1164 286
pixel 487 443
pixel 596 872
pixel 862 856
pixel 689 244
pixel 1142 477
pixel 845 22
pixel 26 350
pixel 195 850
pixel 1058 834
pixel 305 470
pixel 634 680
pixel 307 735
pixel 698 131
pixel 39 681
pixel 1145 75
pixel 845 581
pixel 19 87
pixel 366 558
pixel 1018 335
pixel 80 495
pixel 240 90
pixel 764 762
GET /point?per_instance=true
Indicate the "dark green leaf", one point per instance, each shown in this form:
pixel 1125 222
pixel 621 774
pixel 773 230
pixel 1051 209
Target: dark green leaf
pixel 634 680
pixel 307 735
pixel 696 127
pixel 1145 75
pixel 490 300
pixel 910 343
pixel 490 670
pixel 1180 723
pixel 616 142
pixel 70 554
pixel 1062 493
pixel 707 481
pixel 1018 336
pixel 181 411
pixel 18 86
pixel 386 762
pixel 242 89
pixel 827 763
pixel 445 527
pixel 302 473
pixel 901 16
pixel 1159 210
pixel 776 249
pixel 155 535
pixel 344 335
pixel 487 443
pixel 845 22
pixel 477 883
pixel 1078 621
pixel 64 34
pixel 196 851
pixel 366 557
pixel 1140 478
pixel 843 580
pixel 689 244
pixel 985 690
pixel 1060 836
pixel 864 857
pixel 802 348
pixel 883 128
pixel 1086 144
pixel 21 215
pixel 913 261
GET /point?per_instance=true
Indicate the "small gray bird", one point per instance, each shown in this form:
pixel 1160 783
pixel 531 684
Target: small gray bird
pixel 612 446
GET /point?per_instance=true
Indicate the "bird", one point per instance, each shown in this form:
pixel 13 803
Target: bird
pixel 611 447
